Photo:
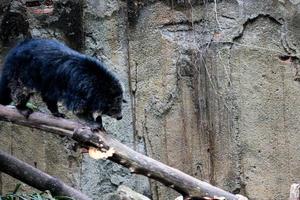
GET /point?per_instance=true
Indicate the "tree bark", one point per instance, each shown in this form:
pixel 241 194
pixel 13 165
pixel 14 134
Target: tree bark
pixel 137 163
pixel 36 178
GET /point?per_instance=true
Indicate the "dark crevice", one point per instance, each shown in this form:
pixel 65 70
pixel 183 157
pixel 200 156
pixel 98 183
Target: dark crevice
pixel 284 57
pixel 295 61
pixel 284 40
pixel 228 17
pixel 252 20
pixel 14 24
pixel 38 3
pixel 211 137
pixel 70 21
pixel 4 7
pixel 133 9
pixel 180 23
pixel 184 4
pixel 204 114
pixel 1 184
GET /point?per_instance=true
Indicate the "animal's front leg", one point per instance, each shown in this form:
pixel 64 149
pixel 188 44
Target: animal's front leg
pixel 21 96
pixel 52 106
pixel 94 122
pixel 99 124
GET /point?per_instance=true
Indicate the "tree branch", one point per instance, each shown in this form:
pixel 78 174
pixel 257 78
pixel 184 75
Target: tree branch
pixel 295 191
pixel 36 178
pixel 137 163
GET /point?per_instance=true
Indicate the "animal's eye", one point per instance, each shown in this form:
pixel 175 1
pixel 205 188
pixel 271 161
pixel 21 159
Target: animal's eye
pixel 124 101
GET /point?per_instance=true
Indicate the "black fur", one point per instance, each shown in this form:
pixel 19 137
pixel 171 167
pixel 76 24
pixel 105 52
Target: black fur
pixel 4 92
pixel 58 73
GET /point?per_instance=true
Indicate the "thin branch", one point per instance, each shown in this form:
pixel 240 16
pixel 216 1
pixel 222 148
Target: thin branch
pixel 137 163
pixel 36 178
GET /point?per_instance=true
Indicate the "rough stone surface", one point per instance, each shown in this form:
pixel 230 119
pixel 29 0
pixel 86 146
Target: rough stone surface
pixel 125 193
pixel 213 90
pixel 105 38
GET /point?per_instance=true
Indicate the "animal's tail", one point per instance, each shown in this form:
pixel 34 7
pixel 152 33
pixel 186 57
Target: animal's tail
pixel 5 98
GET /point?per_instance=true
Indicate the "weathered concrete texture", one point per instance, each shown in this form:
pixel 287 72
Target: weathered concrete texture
pixel 125 193
pixel 105 38
pixel 105 26
pixel 37 148
pixel 163 79
pixel 215 92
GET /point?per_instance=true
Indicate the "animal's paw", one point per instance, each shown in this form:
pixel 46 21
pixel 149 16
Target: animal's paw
pixel 26 112
pixel 96 128
pixel 58 114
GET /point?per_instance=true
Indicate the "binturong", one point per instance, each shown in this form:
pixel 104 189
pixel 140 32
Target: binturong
pixel 82 83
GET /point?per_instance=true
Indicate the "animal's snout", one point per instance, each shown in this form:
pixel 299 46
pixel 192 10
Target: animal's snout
pixel 119 117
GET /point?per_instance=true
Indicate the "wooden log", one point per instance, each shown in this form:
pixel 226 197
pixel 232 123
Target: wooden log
pixel 36 178
pixel 137 163
pixel 295 192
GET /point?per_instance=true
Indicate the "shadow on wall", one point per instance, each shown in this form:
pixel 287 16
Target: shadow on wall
pixel 14 24
pixel 63 16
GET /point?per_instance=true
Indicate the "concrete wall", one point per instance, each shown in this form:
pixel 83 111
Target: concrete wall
pixel 213 91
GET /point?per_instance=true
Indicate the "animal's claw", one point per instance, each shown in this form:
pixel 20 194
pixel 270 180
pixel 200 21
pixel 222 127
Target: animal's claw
pixel 96 128
pixel 26 112
pixel 58 114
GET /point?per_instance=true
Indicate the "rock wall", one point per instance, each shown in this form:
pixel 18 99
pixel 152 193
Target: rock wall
pixel 97 29
pixel 213 88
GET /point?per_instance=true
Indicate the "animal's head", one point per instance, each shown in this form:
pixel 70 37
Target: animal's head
pixel 114 101
pixel 115 108
pixel 107 90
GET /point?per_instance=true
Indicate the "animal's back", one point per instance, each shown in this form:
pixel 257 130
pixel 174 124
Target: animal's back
pixel 35 61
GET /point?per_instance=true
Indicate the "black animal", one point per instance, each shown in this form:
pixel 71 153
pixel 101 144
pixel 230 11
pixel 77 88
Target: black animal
pixel 58 73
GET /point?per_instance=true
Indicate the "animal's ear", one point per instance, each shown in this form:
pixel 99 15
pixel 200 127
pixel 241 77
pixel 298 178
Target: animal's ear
pixel 124 101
